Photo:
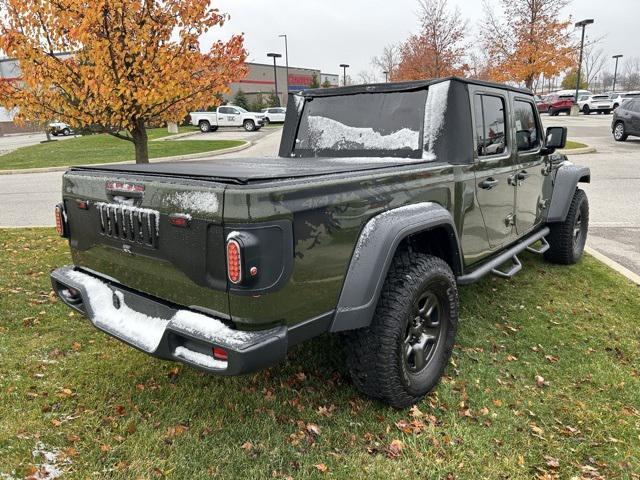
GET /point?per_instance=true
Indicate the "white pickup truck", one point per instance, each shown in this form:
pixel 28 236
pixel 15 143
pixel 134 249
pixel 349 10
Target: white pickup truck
pixel 227 116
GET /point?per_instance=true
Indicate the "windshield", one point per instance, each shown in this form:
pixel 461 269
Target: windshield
pixel 365 124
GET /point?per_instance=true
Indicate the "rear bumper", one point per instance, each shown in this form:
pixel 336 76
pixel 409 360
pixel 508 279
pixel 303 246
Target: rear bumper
pixel 165 331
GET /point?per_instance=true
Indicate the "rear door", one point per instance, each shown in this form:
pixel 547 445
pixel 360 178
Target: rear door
pixel 634 113
pixel 530 173
pixel 494 167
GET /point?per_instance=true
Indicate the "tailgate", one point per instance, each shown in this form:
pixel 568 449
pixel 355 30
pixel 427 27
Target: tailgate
pixel 158 235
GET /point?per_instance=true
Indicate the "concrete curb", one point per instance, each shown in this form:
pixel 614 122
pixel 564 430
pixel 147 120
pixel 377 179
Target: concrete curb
pixel 578 151
pixel 625 272
pixel 176 158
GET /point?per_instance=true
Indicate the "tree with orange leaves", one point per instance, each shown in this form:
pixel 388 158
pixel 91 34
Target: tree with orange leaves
pixel 115 65
pixel 439 49
pixel 527 40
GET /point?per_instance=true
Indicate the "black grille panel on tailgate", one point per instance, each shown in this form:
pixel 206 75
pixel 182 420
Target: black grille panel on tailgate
pixel 125 222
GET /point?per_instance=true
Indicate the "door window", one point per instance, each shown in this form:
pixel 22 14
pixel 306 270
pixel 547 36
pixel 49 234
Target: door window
pixel 490 125
pixel 225 110
pixel 527 132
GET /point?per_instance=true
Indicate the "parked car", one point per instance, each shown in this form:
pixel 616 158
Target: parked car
pixel 626 120
pixel 227 116
pixel 59 128
pixel 619 97
pixel 541 104
pixel 595 103
pixel 383 201
pixel 559 103
pixel 274 115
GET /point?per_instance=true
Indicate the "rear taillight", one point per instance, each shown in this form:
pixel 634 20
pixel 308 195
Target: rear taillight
pixel 220 354
pixel 234 262
pixel 59 212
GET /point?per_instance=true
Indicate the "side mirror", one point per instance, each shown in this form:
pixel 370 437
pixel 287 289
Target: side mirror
pixel 556 138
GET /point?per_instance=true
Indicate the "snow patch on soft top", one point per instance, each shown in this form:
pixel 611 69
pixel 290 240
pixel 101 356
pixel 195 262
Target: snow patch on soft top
pixel 434 112
pixel 326 133
pixel 196 201
pixel 199 359
pixel 141 330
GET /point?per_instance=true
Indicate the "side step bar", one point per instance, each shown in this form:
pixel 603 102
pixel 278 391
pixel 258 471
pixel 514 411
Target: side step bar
pixel 511 254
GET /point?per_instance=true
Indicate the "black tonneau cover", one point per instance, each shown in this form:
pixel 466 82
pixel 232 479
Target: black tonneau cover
pixel 246 170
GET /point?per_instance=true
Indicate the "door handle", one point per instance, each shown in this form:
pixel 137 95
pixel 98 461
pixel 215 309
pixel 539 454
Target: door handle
pixel 523 175
pixel 489 183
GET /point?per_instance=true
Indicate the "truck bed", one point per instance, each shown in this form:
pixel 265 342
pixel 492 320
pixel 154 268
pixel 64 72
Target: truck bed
pixel 248 170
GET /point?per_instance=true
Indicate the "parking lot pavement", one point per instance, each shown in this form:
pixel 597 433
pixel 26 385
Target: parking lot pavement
pixel 9 143
pixel 614 192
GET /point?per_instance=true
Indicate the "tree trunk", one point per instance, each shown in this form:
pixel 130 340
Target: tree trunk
pixel 141 142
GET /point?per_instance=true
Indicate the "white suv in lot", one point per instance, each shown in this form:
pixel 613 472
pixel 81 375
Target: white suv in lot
pixel 595 103
pixel 619 97
pixel 274 115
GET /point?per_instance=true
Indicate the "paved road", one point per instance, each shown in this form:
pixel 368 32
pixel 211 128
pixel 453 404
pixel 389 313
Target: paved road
pixel 614 192
pixel 27 200
pixel 11 142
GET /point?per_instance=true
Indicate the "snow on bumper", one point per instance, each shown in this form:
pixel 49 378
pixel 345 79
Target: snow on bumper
pixel 164 331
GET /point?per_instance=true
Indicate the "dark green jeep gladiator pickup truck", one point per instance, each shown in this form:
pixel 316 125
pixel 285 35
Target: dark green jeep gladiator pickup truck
pixel 383 200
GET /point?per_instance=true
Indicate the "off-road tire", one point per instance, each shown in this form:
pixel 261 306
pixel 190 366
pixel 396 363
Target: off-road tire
pixel 376 355
pixel 204 126
pixel 249 125
pixel 66 132
pixel 620 132
pixel 566 239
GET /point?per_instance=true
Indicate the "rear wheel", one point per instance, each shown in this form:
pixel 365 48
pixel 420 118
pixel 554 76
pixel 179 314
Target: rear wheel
pixel 204 125
pixel 66 132
pixel 567 239
pixel 402 355
pixel 249 125
pixel 619 132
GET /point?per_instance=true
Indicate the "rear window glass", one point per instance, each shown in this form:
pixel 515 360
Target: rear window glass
pixel 365 124
pixel 601 97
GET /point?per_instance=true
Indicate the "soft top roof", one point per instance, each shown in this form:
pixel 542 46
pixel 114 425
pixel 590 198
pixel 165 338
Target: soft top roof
pixel 403 86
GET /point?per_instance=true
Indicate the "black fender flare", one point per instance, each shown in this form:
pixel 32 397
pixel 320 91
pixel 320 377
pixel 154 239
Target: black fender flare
pixel 372 256
pixel 564 186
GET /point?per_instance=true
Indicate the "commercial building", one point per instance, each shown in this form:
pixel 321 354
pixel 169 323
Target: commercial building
pixel 260 80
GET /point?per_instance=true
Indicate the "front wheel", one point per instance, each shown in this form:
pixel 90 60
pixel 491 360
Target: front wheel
pixel 567 239
pixel 204 126
pixel 402 355
pixel 249 125
pixel 619 132
pixel 586 110
pixel 66 132
pixel 266 121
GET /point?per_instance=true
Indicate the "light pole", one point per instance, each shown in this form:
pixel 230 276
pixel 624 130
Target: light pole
pixel 275 56
pixel 286 57
pixel 581 24
pixel 386 77
pixel 615 73
pixel 344 67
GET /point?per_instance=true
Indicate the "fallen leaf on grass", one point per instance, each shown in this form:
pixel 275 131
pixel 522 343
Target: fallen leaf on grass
pixel 552 462
pixel 541 382
pixel 313 428
pixel 395 448
pixel 321 467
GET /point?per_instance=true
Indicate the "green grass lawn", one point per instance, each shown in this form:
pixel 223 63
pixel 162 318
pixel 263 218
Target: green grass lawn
pixel 544 383
pixel 104 149
pixel 571 145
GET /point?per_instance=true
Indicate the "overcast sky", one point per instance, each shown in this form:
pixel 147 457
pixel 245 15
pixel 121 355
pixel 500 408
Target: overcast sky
pixel 325 33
